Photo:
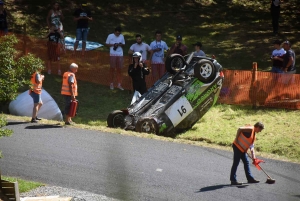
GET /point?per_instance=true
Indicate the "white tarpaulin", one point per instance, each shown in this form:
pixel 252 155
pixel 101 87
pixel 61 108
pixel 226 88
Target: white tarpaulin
pixel 23 106
pixel 90 45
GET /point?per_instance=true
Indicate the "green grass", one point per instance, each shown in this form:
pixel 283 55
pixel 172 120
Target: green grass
pixel 24 185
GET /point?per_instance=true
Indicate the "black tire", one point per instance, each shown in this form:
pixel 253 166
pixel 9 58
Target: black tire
pixel 116 119
pixel 174 62
pixel 205 71
pixel 146 125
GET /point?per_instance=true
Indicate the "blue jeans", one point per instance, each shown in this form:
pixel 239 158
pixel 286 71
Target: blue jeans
pixel 81 34
pixel 276 70
pixel 237 156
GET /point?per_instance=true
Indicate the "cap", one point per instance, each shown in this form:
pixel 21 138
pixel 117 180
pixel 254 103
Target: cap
pixel 198 44
pixel 179 37
pixel 73 65
pixel 287 42
pixel 260 125
pixel 278 42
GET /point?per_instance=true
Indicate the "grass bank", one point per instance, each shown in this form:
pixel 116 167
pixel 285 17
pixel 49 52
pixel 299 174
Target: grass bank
pixel 238 32
pixel 24 185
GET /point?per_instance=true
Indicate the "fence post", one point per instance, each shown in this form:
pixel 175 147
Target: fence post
pixel 24 40
pixel 253 84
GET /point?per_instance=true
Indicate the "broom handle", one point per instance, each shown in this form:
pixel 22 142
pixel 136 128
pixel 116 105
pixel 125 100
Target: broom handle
pixel 259 166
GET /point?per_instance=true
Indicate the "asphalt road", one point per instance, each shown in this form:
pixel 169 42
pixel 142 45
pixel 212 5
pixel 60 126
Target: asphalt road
pixel 132 168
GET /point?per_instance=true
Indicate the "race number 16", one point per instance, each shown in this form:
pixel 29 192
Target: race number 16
pixel 181 111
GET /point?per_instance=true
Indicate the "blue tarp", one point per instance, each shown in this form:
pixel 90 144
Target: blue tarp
pixel 69 44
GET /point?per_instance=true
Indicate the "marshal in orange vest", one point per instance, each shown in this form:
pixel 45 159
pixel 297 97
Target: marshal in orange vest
pixel 36 87
pixel 242 142
pixel 65 89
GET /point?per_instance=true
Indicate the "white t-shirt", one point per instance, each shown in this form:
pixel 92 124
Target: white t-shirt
pixel 277 53
pixel 142 48
pixel 112 39
pixel 158 57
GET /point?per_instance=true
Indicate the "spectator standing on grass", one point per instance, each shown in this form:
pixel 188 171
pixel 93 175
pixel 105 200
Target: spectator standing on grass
pixel 244 140
pixel 3 19
pixel 158 47
pixel 137 71
pixel 289 59
pixel 178 47
pixel 275 13
pixel 115 42
pixel 82 16
pixel 277 57
pixel 54 47
pixel 140 47
pixel 35 92
pixel 55 16
pixel 69 90
pixel 198 51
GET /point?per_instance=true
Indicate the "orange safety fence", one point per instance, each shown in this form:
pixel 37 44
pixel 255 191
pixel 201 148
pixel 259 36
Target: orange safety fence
pixel 241 87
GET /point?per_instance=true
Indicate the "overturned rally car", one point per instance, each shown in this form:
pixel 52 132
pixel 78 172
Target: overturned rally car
pixel 188 89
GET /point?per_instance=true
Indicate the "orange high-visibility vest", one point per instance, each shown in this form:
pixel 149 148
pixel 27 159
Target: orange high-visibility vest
pixel 65 89
pixel 242 142
pixel 36 87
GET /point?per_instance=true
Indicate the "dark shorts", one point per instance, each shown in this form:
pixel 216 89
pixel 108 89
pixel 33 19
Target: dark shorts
pixel 36 97
pixel 68 100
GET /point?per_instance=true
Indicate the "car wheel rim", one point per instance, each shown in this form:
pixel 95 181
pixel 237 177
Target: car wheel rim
pixel 176 63
pixel 147 127
pixel 118 120
pixel 206 70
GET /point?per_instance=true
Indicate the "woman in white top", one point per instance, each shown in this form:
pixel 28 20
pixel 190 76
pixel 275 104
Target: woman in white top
pixel 55 16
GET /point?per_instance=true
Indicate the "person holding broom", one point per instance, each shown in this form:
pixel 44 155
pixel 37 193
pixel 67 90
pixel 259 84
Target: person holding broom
pixel 244 140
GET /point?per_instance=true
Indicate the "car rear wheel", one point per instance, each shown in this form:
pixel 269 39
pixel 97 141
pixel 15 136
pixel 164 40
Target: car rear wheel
pixel 147 125
pixel 174 63
pixel 205 71
pixel 116 119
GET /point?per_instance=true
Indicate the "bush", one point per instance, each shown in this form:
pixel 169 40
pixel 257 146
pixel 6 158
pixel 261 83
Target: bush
pixel 14 72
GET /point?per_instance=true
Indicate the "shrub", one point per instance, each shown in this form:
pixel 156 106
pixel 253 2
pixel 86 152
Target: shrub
pixel 14 72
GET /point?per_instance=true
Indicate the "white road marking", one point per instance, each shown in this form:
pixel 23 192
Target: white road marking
pixel 159 170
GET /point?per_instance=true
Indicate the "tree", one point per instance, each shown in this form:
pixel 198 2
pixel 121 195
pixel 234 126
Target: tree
pixel 4 132
pixel 14 72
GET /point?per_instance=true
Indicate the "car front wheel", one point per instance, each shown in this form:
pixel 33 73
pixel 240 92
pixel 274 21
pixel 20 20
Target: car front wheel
pixel 205 71
pixel 116 119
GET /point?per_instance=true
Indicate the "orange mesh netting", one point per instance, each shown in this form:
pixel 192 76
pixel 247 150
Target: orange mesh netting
pixel 240 86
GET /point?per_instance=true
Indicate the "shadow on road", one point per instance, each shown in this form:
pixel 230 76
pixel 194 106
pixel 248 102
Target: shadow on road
pixel 41 126
pixel 16 123
pixel 216 187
